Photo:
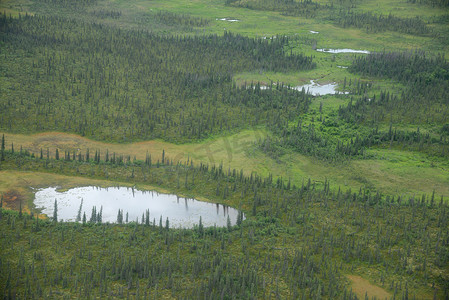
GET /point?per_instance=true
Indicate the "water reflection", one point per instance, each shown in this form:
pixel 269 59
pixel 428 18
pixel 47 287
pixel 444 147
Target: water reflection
pixel 181 212
pixel 315 89
pixel 320 90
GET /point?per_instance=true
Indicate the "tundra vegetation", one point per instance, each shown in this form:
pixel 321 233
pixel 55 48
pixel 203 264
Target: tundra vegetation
pixel 344 195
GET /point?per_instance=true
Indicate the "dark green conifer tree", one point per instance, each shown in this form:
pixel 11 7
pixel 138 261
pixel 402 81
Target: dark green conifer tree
pixel 55 212
pixel 2 155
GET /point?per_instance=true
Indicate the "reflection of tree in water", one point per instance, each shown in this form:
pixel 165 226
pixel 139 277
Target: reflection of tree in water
pixel 126 204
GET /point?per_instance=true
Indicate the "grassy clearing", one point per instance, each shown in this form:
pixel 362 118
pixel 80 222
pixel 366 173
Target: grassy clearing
pixel 14 8
pixel 390 171
pixel 399 7
pixel 362 287
pixel 396 168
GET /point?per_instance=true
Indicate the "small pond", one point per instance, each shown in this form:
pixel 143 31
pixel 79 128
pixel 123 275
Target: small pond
pixel 319 90
pixel 343 51
pixel 181 212
pixel 315 89
pixel 228 20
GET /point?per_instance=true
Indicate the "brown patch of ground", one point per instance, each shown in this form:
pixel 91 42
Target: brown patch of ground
pixel 13 199
pixel 361 287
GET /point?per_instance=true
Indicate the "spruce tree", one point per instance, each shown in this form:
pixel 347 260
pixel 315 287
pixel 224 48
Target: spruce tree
pixel 2 155
pixel 228 223
pixel 147 217
pixel 200 227
pixel 239 218
pixel 55 212
pixel 100 215
pixel 93 215
pixel 20 208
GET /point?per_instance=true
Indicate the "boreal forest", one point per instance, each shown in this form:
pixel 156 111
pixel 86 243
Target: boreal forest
pixel 224 149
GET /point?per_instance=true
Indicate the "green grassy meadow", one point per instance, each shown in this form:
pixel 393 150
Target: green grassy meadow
pixel 389 171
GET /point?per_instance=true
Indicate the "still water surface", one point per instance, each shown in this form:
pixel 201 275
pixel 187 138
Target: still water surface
pixel 315 89
pixel 343 51
pixel 320 89
pixel 181 212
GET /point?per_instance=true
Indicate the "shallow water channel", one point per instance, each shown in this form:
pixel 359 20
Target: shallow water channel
pixel 181 212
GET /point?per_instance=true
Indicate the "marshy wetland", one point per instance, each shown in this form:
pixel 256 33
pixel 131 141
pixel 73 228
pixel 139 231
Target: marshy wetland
pixel 314 134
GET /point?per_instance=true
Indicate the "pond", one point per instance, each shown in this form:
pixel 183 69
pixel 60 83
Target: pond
pixel 228 20
pixel 319 90
pixel 181 212
pixel 343 51
pixel 315 89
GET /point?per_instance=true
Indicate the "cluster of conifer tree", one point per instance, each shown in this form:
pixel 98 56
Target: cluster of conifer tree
pixel 304 8
pixel 297 242
pixel 173 19
pixel 424 100
pixel 66 7
pixel 106 13
pixel 440 3
pixel 78 3
pixel 394 109
pixel 312 141
pixel 113 84
pixel 415 68
pixel 421 102
pixel 117 16
pixel 380 23
pixel 306 139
